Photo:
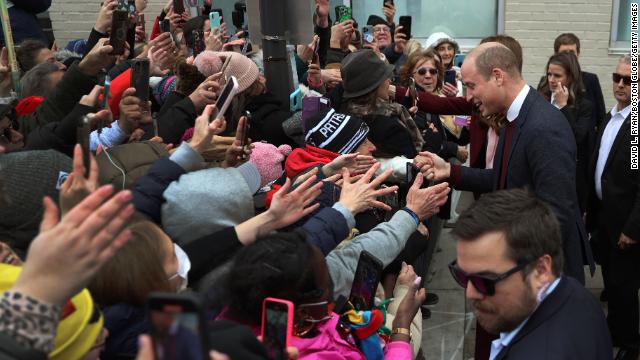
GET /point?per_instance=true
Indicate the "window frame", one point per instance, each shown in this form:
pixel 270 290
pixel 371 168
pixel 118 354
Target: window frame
pixel 617 47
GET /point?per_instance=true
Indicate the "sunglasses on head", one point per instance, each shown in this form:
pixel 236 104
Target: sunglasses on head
pixel 617 77
pixel 423 71
pixel 484 284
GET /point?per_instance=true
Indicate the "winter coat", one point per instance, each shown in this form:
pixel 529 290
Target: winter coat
pixel 24 23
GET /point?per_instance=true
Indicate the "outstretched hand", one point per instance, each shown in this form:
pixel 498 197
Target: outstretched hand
pixel 77 186
pixel 288 207
pixel 67 253
pixel 362 194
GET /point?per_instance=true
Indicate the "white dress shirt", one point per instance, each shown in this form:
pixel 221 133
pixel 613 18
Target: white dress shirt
pixel 608 137
pixel 516 105
pixel 505 338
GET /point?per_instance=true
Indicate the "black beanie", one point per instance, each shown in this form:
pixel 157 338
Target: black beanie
pixel 376 20
pixel 336 132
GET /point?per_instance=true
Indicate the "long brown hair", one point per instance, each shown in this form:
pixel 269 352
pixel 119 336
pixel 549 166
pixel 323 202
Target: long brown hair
pixel 569 62
pixel 135 271
pixel 406 70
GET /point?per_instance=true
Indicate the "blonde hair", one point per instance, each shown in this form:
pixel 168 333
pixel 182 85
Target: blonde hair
pixel 412 46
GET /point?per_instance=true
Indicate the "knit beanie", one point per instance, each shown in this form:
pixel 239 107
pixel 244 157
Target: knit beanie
pixel 164 88
pixel 208 62
pixel 336 132
pixel 268 159
pixel 241 67
pixel 25 178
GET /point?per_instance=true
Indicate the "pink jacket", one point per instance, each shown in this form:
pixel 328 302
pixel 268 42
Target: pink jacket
pixel 329 345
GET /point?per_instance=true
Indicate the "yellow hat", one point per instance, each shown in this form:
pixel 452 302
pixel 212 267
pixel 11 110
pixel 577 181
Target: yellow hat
pixel 79 327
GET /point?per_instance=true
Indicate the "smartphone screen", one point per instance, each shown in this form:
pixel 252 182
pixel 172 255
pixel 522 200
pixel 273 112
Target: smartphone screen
pixel 450 77
pixel 177 328
pixel 405 22
pixel 365 281
pixel 458 59
pixel 245 134
pixel 223 99
pixel 276 328
pixel 119 27
pixel 140 78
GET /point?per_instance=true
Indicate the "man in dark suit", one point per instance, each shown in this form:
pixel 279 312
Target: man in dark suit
pixel 613 215
pixel 571 43
pixel 509 259
pixel 536 149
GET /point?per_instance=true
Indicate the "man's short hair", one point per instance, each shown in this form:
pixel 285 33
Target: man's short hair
pixel 497 56
pixel 509 42
pixel 36 82
pixel 528 224
pixel 566 39
pixel 625 59
pixel 27 53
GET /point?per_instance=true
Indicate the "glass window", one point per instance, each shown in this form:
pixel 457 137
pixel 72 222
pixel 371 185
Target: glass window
pixel 621 25
pixel 461 19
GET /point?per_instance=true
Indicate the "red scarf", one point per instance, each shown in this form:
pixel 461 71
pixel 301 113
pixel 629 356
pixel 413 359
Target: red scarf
pixel 28 105
pixel 302 159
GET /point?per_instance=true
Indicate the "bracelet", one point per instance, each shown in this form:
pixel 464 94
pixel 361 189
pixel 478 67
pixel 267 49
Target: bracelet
pixel 402 331
pixel 413 215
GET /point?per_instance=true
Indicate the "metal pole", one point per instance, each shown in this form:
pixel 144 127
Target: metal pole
pixel 274 48
pixel 8 43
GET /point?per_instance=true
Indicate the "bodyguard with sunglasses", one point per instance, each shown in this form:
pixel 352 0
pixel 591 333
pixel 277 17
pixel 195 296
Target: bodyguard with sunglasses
pixel 509 259
pixel 613 216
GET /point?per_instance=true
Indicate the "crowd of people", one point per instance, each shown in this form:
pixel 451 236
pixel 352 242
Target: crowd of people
pixel 109 197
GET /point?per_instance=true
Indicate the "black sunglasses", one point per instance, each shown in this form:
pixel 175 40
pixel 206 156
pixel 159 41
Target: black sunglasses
pixel 617 77
pixel 486 285
pixel 423 71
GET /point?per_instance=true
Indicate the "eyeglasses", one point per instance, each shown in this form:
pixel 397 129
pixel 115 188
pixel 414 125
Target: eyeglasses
pixel 383 29
pixel 617 77
pixel 423 71
pixel 486 285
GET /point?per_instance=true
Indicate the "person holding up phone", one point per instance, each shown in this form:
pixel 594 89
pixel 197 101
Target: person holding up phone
pixel 447 48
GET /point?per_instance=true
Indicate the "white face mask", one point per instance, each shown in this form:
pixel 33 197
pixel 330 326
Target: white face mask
pixel 184 265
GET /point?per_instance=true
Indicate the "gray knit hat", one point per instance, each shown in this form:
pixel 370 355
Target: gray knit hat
pixel 362 72
pixel 26 177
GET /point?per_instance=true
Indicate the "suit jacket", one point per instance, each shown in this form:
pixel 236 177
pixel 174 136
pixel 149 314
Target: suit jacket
pixel 594 94
pixel 568 324
pixel 543 159
pixel 619 209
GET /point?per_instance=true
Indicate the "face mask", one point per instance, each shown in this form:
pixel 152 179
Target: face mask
pixel 184 265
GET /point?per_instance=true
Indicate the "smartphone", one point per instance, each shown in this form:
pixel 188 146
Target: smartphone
pixel 277 327
pixel 140 78
pixel 365 281
pixel 405 22
pixel 83 140
pixel 214 20
pixel 178 6
pixel 458 59
pixel 119 27
pixel 140 20
pixel 198 41
pixel 367 35
pixel 226 96
pixel 461 120
pixel 245 134
pixel 316 49
pixel 450 77
pixel 343 13
pixel 219 11
pixel 237 18
pixel 413 91
pixel 178 327
pixel 165 26
pixel 387 2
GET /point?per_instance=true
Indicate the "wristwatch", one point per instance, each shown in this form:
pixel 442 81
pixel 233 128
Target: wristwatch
pixel 402 331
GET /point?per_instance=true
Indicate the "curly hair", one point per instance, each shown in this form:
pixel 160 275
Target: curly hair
pixel 279 265
pixel 418 56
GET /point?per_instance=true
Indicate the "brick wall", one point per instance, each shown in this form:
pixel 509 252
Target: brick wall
pixel 535 23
